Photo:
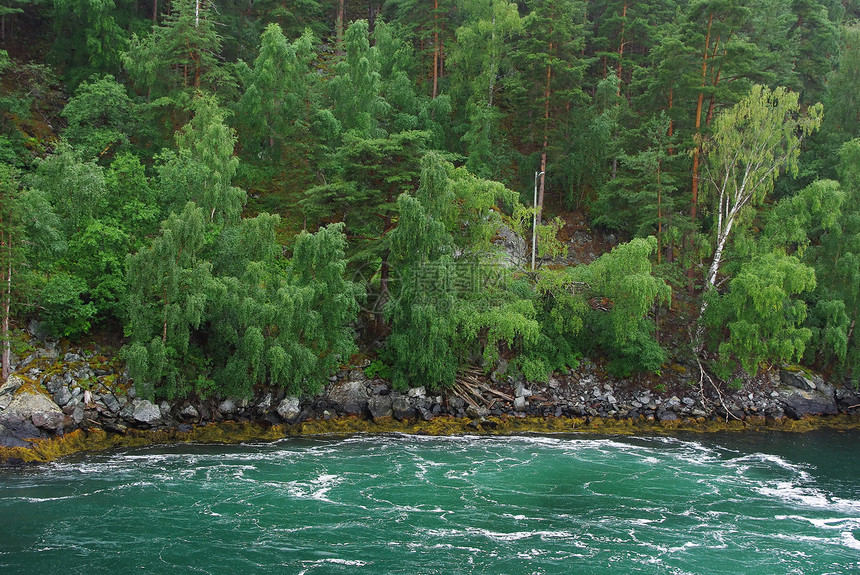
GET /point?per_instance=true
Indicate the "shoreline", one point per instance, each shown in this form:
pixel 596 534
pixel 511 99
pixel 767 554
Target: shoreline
pixel 65 399
pixel 46 450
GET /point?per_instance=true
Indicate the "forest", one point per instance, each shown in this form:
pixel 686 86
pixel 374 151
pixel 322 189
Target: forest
pixel 255 193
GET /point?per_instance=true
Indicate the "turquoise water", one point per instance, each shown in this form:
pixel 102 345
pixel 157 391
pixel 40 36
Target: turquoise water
pixel 759 503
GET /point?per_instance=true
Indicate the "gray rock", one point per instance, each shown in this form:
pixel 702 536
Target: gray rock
pixel 72 357
pixel 33 406
pixel 798 402
pixel 228 407
pixel 78 413
pixel 521 391
pixel 847 398
pixel 380 406
pixel 512 247
pixel 54 384
pixel 477 412
pixel 8 389
pixel 519 403
pixel 351 396
pixel 146 412
pixel 50 420
pixel 164 408
pixel 190 412
pixel 402 407
pixel 357 375
pixel 111 403
pixel 689 402
pixel 666 416
pixel 63 396
pixel 796 379
pixel 265 403
pixel 417 392
pixel 289 409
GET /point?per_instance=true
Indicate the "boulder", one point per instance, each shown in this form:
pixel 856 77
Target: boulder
pixel 145 411
pixel 402 407
pixel 190 412
pixel 8 389
pixel 796 379
pixel 290 409
pixel 264 403
pixel 380 406
pixel 228 407
pixel 512 247
pixel 798 402
pixel 349 396
pixel 848 398
pixel 477 412
pixel 110 402
pixel 30 404
pixel 62 396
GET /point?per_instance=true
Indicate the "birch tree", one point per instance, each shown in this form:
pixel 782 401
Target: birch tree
pixel 753 142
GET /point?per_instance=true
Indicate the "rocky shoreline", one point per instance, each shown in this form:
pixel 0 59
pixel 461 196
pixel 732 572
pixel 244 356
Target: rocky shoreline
pixel 58 390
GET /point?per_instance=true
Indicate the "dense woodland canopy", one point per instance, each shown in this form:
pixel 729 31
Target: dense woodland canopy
pixel 253 192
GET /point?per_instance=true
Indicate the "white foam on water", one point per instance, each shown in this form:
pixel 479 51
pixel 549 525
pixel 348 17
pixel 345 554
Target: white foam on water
pixel 316 489
pixel 332 561
pixel 498 536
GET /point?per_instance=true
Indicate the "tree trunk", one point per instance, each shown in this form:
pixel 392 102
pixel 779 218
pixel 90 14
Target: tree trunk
pixel 621 48
pixel 7 309
pixel 697 150
pixel 545 142
pixel 659 214
pixel 671 132
pixel 435 47
pixel 338 24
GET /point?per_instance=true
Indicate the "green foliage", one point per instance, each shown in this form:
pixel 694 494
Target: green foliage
pixel 835 254
pixel 355 88
pixel 100 117
pixel 74 186
pixel 622 283
pixel 204 165
pixel 761 313
pixel 275 108
pixel 220 316
pixel 65 314
pixel 178 58
pixel 167 285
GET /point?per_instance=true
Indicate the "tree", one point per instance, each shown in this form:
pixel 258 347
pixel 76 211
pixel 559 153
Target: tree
pixel 622 292
pixel 275 109
pixel 374 172
pixel 100 117
pixel 203 167
pixel 476 62
pixel 549 59
pixel 752 143
pixel 355 88
pixel 835 255
pixel 763 318
pixel 168 284
pixel 177 59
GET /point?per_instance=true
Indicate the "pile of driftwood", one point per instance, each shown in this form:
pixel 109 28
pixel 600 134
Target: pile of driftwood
pixel 470 387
